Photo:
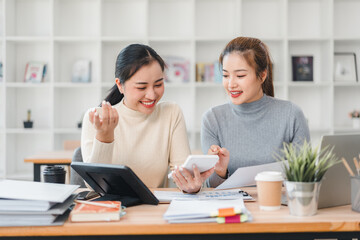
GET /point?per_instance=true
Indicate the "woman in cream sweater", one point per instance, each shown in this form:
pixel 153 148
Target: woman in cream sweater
pixel 132 128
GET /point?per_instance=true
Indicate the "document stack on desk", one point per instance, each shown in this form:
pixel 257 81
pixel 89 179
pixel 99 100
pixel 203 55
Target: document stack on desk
pixel 198 211
pixel 24 203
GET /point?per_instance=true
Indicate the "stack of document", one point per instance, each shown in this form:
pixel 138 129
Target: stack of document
pixel 197 211
pixel 25 203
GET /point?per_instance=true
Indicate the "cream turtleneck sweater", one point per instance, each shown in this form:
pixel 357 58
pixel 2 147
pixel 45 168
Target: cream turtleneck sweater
pixel 148 144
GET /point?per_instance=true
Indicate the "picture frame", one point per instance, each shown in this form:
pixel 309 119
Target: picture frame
pixel 303 68
pixel 345 67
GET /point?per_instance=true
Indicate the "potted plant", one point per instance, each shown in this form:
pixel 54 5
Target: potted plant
pixel 355 116
pixel 28 123
pixel 304 167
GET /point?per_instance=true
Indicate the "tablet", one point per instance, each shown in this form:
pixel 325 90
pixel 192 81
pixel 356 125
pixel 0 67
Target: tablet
pixel 115 183
pixel 203 163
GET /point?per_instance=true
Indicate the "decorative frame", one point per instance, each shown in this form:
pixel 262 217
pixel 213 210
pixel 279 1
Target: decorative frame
pixel 345 67
pixel 303 68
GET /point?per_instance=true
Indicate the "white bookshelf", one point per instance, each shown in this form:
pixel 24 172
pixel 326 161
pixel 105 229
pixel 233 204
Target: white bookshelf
pixel 60 32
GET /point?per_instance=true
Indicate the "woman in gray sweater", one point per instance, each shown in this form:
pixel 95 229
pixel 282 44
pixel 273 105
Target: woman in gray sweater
pixel 253 125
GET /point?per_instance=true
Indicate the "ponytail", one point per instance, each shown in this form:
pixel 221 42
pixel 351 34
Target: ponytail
pixel 114 96
pixel 257 55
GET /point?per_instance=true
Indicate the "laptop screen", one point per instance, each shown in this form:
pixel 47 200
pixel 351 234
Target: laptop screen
pixel 335 188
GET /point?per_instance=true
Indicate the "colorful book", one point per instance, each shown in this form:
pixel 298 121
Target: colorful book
pixel 178 69
pixel 87 212
pixel 35 72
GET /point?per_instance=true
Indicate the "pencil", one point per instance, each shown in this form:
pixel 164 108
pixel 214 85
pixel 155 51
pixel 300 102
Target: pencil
pixel 98 204
pixel 347 167
pixel 356 165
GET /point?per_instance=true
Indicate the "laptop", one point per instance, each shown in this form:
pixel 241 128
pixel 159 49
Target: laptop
pixel 335 188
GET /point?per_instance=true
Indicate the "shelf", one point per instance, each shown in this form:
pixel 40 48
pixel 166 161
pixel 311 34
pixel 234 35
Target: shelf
pixel 27 39
pixel 76 39
pixel 75 85
pixel 28 131
pixel 67 130
pixel 309 84
pixel 213 39
pixel 27 85
pixel 122 39
pixel 177 85
pixel 346 84
pixel 308 39
pixel 208 84
pixel 60 32
pixel 169 39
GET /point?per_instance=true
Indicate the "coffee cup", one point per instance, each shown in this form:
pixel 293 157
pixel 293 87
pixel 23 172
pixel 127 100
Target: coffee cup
pixel 269 184
pixel 54 174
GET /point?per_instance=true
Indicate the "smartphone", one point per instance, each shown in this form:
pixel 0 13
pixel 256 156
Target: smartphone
pixel 202 162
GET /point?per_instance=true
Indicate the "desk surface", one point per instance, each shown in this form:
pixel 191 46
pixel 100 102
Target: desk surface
pixel 56 157
pixel 147 219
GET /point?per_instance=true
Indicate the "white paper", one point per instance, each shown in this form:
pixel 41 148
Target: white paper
pixel 26 190
pixel 167 196
pixel 246 176
pixel 180 209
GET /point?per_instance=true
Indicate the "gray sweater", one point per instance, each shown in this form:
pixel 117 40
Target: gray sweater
pixel 252 132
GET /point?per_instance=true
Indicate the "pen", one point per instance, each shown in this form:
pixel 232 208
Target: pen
pixel 98 204
pixel 347 167
pixel 356 165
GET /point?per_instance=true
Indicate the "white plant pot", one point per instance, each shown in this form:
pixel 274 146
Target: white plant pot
pixel 356 122
pixel 303 197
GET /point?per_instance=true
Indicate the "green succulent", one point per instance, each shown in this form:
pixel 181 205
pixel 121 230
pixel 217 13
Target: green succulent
pixel 304 163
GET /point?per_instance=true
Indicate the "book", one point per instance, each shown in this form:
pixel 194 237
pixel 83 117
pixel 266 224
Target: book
pixel 81 71
pixel 40 191
pixel 302 68
pixel 181 211
pixel 86 212
pixel 178 69
pixel 208 72
pixel 28 215
pixel 35 72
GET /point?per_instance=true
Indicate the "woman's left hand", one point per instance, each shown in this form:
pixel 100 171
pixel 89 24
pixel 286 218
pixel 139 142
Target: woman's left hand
pixel 188 183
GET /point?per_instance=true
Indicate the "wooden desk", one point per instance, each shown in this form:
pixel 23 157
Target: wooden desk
pixel 146 222
pixel 49 158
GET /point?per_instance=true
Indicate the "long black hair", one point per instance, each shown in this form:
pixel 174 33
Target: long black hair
pixel 128 62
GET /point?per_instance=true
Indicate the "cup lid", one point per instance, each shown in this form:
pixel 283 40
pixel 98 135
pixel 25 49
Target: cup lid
pixel 269 176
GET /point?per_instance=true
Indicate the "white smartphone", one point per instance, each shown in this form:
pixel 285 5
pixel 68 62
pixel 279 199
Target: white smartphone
pixel 202 162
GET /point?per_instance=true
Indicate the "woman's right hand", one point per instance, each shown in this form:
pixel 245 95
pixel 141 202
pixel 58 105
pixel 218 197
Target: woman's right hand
pixel 106 123
pixel 224 157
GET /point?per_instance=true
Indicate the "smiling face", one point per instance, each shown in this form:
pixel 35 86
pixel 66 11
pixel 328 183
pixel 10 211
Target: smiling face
pixel 240 81
pixel 144 89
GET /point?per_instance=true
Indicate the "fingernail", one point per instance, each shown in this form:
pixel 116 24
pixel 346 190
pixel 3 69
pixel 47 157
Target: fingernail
pixel 103 102
pixel 108 103
pixel 93 109
pixel 96 114
pixel 181 169
pixel 193 166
